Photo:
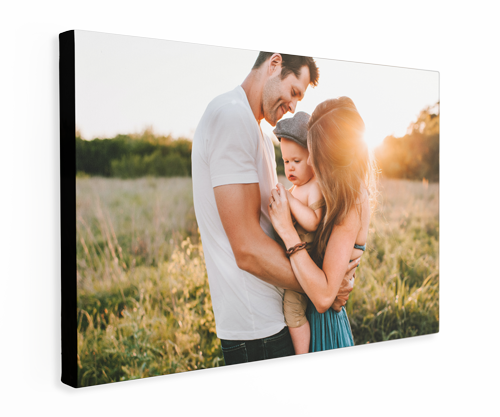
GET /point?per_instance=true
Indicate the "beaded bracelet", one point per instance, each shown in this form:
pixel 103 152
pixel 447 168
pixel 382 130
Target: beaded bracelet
pixel 295 248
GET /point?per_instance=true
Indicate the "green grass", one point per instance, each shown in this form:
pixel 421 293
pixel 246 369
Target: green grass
pixel 144 306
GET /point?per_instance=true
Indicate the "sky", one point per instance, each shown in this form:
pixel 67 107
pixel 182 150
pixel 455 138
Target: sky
pixel 125 84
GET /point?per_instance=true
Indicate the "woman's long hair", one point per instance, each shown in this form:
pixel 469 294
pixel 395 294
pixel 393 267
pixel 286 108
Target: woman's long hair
pixel 344 168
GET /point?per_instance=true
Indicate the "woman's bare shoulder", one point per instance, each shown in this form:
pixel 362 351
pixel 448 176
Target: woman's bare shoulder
pixel 363 202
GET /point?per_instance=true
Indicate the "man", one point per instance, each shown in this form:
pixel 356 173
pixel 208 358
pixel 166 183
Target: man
pixel 234 171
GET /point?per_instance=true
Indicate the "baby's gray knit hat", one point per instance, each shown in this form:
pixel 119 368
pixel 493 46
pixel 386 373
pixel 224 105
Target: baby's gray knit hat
pixel 294 128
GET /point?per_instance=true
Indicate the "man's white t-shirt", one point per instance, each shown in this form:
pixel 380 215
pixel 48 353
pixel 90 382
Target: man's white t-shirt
pixel 229 148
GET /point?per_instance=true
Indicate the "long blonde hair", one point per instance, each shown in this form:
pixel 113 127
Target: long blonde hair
pixel 343 165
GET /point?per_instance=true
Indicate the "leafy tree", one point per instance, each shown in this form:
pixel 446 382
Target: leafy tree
pixel 415 155
pixel 133 156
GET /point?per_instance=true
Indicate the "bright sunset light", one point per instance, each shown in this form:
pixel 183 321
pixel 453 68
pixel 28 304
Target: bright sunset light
pixel 387 98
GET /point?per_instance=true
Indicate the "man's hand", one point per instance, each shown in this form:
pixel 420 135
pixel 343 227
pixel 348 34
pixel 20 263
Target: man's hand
pixel 347 286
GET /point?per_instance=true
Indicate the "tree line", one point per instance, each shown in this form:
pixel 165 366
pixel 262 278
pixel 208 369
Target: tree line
pixel 414 156
pixel 133 156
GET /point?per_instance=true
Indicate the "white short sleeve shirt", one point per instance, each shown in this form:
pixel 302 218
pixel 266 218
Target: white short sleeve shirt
pixel 229 148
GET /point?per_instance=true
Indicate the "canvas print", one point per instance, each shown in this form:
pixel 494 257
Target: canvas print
pixel 222 206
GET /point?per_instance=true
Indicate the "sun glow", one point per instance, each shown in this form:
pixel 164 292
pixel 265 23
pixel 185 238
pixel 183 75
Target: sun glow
pixel 388 99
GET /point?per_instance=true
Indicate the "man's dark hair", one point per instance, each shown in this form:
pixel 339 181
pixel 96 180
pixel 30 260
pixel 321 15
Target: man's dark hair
pixel 291 64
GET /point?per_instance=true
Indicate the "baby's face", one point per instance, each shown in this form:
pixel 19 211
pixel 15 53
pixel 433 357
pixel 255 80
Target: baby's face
pixel 295 158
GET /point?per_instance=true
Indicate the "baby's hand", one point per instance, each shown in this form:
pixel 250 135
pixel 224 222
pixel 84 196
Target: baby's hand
pixel 287 193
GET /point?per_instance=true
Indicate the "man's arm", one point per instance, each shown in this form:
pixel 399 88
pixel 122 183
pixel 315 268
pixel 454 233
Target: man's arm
pixel 255 252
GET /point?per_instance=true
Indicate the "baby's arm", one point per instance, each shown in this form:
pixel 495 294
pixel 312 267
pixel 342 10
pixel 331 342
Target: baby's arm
pixel 308 218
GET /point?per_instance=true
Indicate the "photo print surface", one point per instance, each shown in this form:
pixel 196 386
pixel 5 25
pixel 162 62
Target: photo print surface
pixel 228 206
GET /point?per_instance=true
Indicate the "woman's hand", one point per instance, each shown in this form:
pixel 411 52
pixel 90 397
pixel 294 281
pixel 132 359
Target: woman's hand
pixel 279 212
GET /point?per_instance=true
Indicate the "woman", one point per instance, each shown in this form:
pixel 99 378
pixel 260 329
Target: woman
pixel 345 173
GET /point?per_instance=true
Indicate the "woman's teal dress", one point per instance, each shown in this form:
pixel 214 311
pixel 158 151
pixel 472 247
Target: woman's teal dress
pixel 330 330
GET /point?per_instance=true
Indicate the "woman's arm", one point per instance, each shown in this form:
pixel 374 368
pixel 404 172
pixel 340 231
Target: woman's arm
pixel 321 286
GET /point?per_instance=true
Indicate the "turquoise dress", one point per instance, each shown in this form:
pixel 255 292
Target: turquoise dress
pixel 330 330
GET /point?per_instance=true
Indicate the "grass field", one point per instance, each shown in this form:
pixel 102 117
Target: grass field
pixel 144 306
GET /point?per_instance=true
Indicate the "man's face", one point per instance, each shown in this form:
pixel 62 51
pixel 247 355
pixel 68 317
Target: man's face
pixel 281 96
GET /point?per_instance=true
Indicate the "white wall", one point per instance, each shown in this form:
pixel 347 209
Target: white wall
pixel 454 371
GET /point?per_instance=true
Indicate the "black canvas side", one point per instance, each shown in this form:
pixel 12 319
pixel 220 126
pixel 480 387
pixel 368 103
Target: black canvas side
pixel 68 207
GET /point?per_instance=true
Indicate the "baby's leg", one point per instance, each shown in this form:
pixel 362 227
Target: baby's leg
pixel 301 337
pixel 294 308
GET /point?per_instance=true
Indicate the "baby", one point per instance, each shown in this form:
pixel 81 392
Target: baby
pixel 306 205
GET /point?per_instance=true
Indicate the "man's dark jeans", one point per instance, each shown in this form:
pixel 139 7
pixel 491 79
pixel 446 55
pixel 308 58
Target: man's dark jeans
pixel 241 351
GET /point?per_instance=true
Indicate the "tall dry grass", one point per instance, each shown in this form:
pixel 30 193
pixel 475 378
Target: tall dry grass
pixel 397 293
pixel 144 306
